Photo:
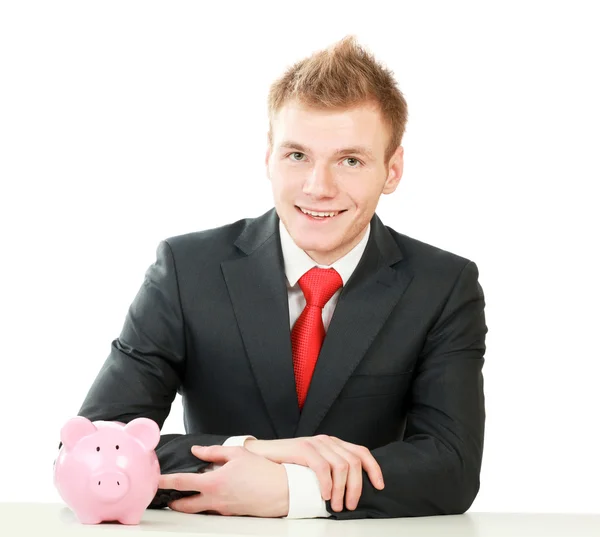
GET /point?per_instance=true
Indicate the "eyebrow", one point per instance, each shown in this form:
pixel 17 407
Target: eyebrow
pixel 356 149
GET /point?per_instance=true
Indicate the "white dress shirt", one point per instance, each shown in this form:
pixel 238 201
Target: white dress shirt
pixel 304 491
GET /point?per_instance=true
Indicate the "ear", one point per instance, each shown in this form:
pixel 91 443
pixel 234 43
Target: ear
pixel 145 430
pixel 75 429
pixel 396 168
pixel 267 157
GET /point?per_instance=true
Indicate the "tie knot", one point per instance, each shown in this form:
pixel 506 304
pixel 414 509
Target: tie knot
pixel 319 285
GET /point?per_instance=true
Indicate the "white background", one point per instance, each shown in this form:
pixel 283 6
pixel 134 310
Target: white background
pixel 123 123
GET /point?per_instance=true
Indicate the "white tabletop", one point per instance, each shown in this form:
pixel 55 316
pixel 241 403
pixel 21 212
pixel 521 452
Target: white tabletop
pixel 57 519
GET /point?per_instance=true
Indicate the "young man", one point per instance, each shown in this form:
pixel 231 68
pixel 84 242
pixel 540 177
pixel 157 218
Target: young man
pixel 328 365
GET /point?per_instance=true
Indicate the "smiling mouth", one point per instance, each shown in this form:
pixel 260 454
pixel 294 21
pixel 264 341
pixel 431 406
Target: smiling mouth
pixel 320 215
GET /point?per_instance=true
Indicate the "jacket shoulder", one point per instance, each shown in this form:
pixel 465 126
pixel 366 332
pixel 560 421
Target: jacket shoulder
pixel 217 242
pixel 424 255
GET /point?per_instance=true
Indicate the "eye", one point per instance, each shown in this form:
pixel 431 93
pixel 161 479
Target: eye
pixel 354 160
pixel 293 155
pixel 117 447
pixel 98 449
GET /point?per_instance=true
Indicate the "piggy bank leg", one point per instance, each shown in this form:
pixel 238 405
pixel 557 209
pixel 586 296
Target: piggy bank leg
pixel 88 518
pixel 132 519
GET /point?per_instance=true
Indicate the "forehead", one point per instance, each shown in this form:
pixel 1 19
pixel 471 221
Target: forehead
pixel 330 128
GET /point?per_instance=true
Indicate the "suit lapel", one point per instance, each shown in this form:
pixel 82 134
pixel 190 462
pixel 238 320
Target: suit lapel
pixel 258 292
pixel 363 307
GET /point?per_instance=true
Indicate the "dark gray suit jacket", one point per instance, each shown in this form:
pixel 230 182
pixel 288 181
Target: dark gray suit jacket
pixel 399 371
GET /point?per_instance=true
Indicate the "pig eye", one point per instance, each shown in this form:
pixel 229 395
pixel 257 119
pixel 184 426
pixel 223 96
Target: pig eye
pixel 98 449
pixel 117 447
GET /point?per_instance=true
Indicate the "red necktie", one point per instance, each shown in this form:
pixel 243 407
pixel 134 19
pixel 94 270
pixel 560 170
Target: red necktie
pixel 318 286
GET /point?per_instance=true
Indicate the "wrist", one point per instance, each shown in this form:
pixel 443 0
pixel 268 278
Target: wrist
pixel 251 444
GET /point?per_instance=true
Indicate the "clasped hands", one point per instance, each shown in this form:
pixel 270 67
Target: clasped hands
pixel 251 480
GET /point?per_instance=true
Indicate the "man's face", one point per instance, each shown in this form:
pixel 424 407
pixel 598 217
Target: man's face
pixel 329 161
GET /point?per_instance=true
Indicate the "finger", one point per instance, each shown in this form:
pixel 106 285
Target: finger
pixel 354 480
pixel 369 463
pixel 339 472
pixel 193 504
pixel 301 452
pixel 320 466
pixel 184 481
pixel 220 454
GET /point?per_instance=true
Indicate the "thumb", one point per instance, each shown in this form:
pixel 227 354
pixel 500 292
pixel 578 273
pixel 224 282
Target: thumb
pixel 216 453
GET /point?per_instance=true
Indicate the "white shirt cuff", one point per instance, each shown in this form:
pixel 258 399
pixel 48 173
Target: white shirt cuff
pixel 237 440
pixel 305 499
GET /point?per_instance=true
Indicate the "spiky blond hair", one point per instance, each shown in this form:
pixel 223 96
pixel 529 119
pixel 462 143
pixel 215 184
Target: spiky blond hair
pixel 342 76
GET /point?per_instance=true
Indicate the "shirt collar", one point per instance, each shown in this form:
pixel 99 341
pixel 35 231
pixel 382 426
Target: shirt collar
pixel 297 262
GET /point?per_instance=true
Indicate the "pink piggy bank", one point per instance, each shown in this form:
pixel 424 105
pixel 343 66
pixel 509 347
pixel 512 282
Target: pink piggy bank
pixel 108 471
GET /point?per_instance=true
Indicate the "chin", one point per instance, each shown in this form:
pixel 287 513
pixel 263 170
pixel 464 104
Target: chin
pixel 316 246
pixel 309 239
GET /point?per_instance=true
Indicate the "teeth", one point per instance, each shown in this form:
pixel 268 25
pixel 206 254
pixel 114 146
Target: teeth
pixel 311 213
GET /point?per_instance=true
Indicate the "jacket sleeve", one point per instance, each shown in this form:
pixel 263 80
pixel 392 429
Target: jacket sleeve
pixel 143 371
pixel 435 468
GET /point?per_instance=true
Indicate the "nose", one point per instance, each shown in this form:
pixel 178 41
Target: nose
pixel 109 486
pixel 320 183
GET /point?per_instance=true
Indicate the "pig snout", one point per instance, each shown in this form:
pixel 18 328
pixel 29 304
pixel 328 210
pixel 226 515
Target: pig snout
pixel 109 486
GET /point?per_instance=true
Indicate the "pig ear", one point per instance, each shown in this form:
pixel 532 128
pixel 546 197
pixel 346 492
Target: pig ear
pixel 145 430
pixel 75 429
